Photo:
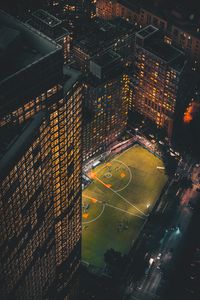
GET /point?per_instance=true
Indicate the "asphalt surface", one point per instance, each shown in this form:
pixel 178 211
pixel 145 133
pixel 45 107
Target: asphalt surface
pixel 152 283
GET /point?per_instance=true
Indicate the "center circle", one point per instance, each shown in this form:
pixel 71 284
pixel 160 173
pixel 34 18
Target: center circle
pixel 117 175
pixel 108 175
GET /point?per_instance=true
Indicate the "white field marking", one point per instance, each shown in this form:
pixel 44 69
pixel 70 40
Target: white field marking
pixel 121 195
pixel 130 176
pixel 85 262
pixel 117 156
pixel 127 212
pixel 102 168
pixel 128 202
pixel 123 152
pixel 115 207
pixel 95 219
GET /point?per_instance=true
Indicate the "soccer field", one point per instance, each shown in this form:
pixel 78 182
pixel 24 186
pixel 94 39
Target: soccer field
pixel 117 202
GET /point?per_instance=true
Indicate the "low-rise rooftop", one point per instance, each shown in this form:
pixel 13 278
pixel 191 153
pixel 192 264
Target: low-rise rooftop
pixel 48 24
pixel 103 34
pixel 46 18
pixel 106 58
pixel 71 76
pixel 147 31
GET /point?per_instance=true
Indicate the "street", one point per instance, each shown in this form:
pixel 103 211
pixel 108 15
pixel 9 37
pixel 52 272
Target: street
pixel 150 287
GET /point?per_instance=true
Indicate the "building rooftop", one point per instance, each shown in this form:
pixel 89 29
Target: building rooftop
pixel 55 35
pixel 104 67
pixel 103 34
pixel 152 41
pixel 48 24
pixel 182 13
pixel 7 38
pixel 21 46
pixel 133 5
pixel 163 50
pixel 71 76
pixel 46 18
pixel 171 55
pixel 106 58
pixel 147 31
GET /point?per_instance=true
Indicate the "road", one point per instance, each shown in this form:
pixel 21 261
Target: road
pixel 150 287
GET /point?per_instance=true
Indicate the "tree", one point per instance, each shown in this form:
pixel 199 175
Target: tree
pixel 115 262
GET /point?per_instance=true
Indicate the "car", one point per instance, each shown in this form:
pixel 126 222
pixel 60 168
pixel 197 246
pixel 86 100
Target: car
pixel 172 154
pixel 158 267
pixel 159 255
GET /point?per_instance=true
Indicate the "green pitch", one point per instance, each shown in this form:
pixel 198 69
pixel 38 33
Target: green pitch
pixel 117 202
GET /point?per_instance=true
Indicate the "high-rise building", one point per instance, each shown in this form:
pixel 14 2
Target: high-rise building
pixel 40 160
pixel 28 250
pixel 105 104
pixel 179 20
pixel 158 78
pixel 53 28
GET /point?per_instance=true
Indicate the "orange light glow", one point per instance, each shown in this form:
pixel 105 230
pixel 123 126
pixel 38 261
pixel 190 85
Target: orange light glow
pixel 108 164
pixel 188 115
pixel 106 185
pixel 190 112
pixel 85 216
pixel 94 200
pixel 92 175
